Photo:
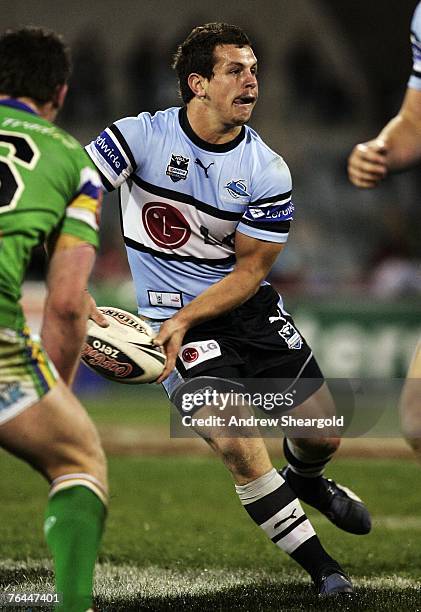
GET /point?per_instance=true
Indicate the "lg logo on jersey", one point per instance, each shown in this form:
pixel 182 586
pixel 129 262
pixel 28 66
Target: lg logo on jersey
pixel 165 225
pixel 193 353
pixel 168 228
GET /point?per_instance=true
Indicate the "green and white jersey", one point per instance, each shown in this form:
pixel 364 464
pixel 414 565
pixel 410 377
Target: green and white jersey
pixel 47 184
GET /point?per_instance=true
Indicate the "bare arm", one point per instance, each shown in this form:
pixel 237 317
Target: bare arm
pixel 68 304
pixel 254 261
pixel 397 147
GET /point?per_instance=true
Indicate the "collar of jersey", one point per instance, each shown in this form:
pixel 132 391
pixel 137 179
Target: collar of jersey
pixel 12 102
pixel 207 146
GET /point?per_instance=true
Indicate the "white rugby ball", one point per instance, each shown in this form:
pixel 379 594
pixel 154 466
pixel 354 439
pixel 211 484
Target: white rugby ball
pixel 122 352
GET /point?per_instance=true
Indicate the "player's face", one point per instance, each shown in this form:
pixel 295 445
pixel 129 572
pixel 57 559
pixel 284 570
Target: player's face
pixel 232 91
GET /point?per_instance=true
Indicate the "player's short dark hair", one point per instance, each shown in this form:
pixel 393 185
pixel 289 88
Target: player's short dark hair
pixel 33 63
pixel 196 53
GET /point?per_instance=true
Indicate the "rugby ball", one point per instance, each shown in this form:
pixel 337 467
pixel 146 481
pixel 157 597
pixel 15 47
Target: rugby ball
pixel 123 351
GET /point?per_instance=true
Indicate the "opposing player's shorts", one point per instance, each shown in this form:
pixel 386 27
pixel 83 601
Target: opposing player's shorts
pixel 26 372
pixel 256 340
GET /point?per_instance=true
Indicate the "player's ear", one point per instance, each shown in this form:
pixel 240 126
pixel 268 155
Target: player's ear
pixel 60 95
pixel 197 84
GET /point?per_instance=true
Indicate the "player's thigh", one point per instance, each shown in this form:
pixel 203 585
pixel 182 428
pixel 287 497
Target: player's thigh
pixel 240 447
pixel 322 437
pixel 318 405
pixel 410 401
pixel 56 436
pixel 313 403
pixel 41 421
pixel 414 370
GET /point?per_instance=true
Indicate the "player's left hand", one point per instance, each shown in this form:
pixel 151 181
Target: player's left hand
pixel 170 338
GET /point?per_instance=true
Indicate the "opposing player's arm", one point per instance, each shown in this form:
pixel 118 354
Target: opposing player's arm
pixel 254 258
pixel 67 304
pixel 397 147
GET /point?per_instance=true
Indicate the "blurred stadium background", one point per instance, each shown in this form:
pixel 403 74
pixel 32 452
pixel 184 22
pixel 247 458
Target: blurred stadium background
pixel 331 73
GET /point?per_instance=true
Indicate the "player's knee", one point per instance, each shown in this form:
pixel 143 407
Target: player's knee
pixel 79 455
pixel 98 464
pixel 94 462
pixel 316 448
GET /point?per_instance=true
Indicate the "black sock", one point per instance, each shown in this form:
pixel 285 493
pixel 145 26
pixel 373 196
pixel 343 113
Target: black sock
pixel 315 560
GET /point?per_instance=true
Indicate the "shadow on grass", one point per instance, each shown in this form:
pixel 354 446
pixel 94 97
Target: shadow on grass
pixel 26 573
pixel 288 598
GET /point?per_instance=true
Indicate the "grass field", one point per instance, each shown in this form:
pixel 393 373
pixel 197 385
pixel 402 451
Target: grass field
pixel 177 537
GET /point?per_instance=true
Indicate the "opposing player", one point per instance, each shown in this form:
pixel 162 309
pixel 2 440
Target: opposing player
pixel 206 208
pixel 49 191
pixel 396 148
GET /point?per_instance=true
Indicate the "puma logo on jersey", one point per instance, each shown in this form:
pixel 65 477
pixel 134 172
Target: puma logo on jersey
pixel 288 518
pixel 278 318
pixel 204 168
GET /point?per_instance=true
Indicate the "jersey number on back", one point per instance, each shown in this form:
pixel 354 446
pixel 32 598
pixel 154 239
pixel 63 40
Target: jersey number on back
pixel 15 150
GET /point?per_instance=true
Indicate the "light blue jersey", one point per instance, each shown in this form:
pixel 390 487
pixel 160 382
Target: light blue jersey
pixel 183 199
pixel 415 79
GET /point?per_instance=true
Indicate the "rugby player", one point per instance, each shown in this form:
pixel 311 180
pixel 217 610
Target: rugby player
pixel 398 147
pixel 206 208
pixel 49 191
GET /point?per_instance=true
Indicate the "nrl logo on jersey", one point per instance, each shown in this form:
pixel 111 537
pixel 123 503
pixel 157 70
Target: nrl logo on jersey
pixel 177 168
pixel 256 213
pixel 237 189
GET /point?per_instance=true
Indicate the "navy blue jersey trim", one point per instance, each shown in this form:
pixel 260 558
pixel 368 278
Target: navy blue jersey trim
pixel 207 146
pixel 120 209
pixel 114 129
pixel 108 186
pixel 172 256
pixel 13 103
pixel 281 227
pixel 416 73
pixel 186 199
pixel 275 198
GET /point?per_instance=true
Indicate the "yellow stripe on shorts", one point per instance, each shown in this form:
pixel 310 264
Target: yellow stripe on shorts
pixel 26 373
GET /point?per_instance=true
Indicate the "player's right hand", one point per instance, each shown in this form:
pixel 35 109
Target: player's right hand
pixel 95 314
pixel 367 164
pixel 170 338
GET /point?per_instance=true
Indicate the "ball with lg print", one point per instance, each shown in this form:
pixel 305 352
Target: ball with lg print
pixel 123 352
